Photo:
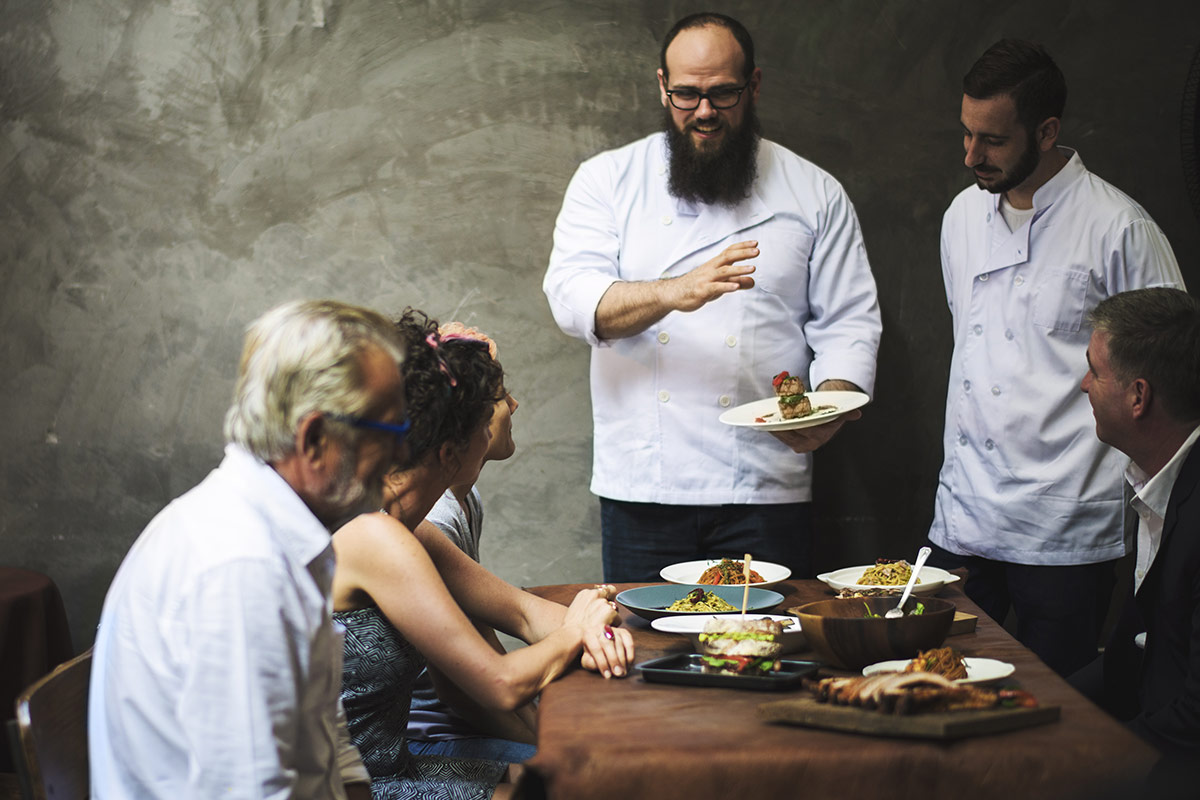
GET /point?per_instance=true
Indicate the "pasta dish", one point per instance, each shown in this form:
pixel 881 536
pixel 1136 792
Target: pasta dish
pixel 699 600
pixel 944 661
pixel 728 572
pixel 887 573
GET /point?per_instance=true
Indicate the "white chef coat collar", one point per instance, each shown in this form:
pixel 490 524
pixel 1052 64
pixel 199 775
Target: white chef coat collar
pixel 1052 189
pixel 296 529
pixel 1058 184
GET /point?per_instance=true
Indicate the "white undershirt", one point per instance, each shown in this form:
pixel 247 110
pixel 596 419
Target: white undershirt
pixel 1014 217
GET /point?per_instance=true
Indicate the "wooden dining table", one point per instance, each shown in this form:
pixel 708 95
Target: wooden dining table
pixel 629 738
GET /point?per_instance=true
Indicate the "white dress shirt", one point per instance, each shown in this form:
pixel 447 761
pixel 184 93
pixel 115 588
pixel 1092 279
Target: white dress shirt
pixel 1152 495
pixel 1025 480
pixel 217 669
pixel 657 396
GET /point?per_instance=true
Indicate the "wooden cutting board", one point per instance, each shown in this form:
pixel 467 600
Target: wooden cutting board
pixel 945 725
pixel 963 623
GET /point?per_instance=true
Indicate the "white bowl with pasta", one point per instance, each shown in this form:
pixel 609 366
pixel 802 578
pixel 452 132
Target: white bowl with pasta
pixel 930 580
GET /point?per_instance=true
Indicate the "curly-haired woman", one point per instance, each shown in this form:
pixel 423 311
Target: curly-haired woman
pixel 401 609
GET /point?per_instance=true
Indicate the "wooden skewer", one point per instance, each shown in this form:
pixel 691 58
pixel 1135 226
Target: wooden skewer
pixel 746 575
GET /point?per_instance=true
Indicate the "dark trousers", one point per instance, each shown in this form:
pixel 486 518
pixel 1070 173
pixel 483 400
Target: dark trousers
pixel 1060 610
pixel 639 539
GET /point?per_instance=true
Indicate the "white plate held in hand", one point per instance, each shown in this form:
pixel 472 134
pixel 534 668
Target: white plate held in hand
pixel 764 414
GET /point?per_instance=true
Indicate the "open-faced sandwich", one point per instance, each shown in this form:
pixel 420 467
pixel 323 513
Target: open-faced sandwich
pixel 736 646
pixel 793 402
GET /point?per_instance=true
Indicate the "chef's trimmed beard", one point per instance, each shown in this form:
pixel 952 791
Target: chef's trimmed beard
pixel 1025 166
pixel 722 177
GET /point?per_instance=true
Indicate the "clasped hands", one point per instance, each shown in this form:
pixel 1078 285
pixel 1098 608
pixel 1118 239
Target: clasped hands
pixel 606 649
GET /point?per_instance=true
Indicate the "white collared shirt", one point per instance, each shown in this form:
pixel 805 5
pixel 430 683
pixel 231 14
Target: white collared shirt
pixel 1151 496
pixel 657 396
pixel 217 669
pixel 1025 480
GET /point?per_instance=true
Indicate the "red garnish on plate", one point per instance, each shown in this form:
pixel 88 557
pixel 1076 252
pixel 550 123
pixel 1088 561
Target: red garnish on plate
pixel 778 379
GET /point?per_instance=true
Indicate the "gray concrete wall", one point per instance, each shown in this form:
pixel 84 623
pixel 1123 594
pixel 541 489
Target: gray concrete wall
pixel 171 168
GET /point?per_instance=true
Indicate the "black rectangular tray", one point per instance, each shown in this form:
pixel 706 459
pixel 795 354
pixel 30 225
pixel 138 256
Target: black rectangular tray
pixel 686 669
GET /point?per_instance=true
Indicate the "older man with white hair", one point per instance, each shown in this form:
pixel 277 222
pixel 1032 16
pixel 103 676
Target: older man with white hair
pixel 217 668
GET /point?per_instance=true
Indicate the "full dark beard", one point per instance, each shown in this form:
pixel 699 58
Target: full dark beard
pixel 723 177
pixel 1020 171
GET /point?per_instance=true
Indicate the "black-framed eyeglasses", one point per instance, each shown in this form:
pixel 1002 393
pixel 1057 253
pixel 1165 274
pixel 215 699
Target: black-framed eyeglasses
pixel 689 99
pixel 400 431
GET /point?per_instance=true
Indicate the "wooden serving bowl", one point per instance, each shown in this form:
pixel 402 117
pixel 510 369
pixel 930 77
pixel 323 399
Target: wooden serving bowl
pixel 845 637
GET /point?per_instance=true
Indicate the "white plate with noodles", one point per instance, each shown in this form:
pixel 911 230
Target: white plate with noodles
pixel 930 580
pixel 691 572
pixel 764 414
pixel 979 670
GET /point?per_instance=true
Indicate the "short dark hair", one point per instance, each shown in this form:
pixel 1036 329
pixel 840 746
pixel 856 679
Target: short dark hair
pixel 704 19
pixel 450 387
pixel 1024 70
pixel 1155 334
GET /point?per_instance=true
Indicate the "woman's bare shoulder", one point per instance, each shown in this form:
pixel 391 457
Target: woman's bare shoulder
pixel 372 531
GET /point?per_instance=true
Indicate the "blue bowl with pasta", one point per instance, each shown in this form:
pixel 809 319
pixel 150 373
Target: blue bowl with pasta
pixel 652 602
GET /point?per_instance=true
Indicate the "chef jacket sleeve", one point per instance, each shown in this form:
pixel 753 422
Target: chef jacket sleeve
pixel 586 256
pixel 1141 258
pixel 844 325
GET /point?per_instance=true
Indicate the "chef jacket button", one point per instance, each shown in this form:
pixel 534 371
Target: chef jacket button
pixel 664 396
pixel 1019 280
pixel 666 220
pixel 996 390
pixel 989 444
pixel 989 219
pixel 664 337
pixel 731 340
pixel 962 439
pixel 978 330
pixel 662 169
pixel 983 277
pixel 966 386
pixel 1141 574
pixel 1008 334
pixel 724 401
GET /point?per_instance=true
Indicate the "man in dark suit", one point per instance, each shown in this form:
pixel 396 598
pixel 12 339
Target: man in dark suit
pixel 1143 382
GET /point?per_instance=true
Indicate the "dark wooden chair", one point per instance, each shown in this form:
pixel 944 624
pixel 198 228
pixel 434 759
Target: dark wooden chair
pixel 51 733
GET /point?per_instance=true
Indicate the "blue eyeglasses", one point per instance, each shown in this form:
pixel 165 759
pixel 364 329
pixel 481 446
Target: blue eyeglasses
pixel 399 431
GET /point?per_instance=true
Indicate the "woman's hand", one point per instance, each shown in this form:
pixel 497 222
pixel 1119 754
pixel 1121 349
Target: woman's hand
pixel 606 649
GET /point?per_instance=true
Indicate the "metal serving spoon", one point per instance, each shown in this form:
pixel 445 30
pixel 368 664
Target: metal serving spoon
pixel 898 611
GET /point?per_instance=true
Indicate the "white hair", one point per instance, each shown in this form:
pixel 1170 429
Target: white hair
pixel 301 357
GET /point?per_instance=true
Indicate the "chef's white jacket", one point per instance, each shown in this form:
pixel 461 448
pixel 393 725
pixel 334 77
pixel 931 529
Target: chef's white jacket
pixel 657 396
pixel 1025 480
